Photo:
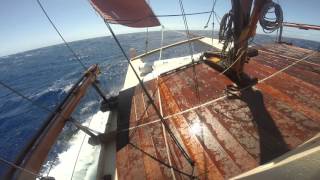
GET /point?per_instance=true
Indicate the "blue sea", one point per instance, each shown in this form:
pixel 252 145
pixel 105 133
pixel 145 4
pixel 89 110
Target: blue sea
pixel 46 75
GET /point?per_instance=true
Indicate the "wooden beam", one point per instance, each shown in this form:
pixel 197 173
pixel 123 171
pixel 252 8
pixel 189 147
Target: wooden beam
pixel 38 154
pixel 165 47
pixel 301 26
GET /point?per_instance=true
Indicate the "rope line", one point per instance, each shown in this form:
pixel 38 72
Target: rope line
pixel 161 110
pixel 267 51
pixel 162 162
pixel 71 50
pixel 186 28
pixel 149 97
pixel 25 97
pixel 165 136
pixel 190 49
pixel 239 57
pixel 40 106
pixel 294 63
pixel 288 57
pixel 207 24
pixel 20 168
pixel 224 96
pixel 142 116
pixel 62 38
pixel 84 137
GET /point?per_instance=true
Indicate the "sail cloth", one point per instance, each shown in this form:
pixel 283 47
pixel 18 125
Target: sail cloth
pixel 132 13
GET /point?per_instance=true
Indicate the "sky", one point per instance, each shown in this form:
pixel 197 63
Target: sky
pixel 24 26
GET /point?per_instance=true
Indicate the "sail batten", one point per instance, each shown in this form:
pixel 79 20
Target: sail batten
pixel 130 13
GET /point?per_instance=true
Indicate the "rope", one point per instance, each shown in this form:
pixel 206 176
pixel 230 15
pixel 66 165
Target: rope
pixel 25 97
pixel 20 168
pixel 149 96
pixel 226 31
pixel 288 57
pixel 211 14
pixel 162 162
pixel 224 96
pixel 244 88
pixel 33 102
pixel 147 33
pixel 294 63
pixel 62 38
pixel 186 29
pixel 84 137
pixel 239 57
pixel 206 25
pixel 161 111
pixel 70 49
pixel 267 51
pixel 142 116
pixel 190 49
pixel 271 24
pixel 165 136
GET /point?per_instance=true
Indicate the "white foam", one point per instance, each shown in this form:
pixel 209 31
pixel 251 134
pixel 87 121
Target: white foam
pixel 86 165
pixel 67 88
pixel 56 86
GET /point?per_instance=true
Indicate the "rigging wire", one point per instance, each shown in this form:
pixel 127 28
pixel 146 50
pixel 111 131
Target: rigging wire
pixel 161 110
pixel 191 53
pixel 147 33
pixel 84 137
pixel 25 97
pixel 230 66
pixel 206 25
pixel 186 29
pixel 139 121
pixel 71 50
pixel 190 49
pixel 22 169
pixel 40 106
pixel 149 96
pixel 191 176
pixel 62 38
pixel 309 55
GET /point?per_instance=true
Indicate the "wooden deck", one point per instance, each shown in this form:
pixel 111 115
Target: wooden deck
pixel 227 135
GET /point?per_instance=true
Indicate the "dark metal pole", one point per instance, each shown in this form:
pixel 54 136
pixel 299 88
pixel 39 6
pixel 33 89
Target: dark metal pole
pixel 280 34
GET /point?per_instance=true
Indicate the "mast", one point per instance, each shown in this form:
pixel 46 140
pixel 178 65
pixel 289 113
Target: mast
pixel 245 24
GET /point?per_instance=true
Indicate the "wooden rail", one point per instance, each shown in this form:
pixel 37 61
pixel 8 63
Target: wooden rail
pixel 301 26
pixel 296 25
pixel 41 147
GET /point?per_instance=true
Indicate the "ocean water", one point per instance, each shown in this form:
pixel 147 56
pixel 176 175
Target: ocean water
pixel 46 75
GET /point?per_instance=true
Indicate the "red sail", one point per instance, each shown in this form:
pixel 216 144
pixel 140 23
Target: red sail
pixel 132 13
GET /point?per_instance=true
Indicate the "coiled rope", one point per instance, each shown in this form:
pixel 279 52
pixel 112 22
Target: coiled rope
pixel 271 24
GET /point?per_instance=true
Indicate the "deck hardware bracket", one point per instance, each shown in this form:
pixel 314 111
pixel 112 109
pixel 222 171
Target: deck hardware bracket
pixel 110 104
pixel 95 138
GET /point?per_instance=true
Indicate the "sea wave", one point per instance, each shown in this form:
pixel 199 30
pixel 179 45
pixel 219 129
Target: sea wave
pixel 80 159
